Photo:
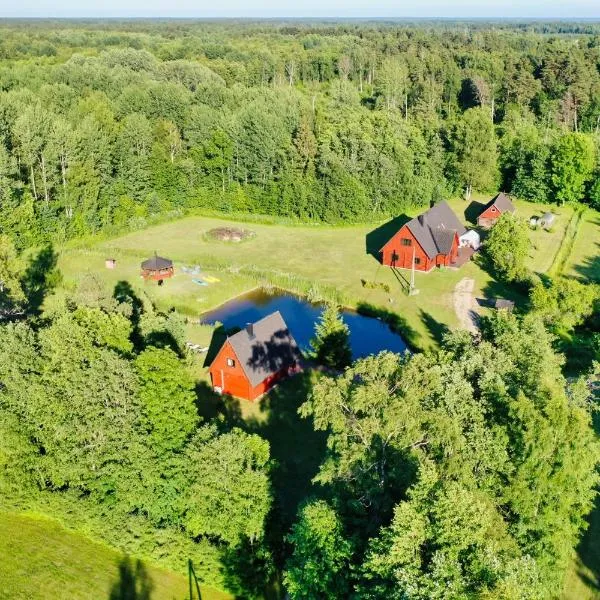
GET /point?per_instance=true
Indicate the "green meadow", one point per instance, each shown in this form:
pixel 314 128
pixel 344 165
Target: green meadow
pixel 42 559
pixel 320 261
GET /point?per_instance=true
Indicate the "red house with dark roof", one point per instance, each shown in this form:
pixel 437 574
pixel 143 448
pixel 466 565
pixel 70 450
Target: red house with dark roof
pixel 430 240
pixel 253 360
pixel 494 209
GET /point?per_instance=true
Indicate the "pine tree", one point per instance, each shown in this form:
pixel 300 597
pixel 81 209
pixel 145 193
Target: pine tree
pixel 331 344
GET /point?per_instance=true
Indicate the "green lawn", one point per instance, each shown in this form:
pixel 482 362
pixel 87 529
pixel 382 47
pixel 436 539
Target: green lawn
pixel 41 559
pixel 327 257
pixel 584 260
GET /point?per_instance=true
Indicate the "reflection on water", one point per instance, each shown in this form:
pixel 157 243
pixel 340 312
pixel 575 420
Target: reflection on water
pixel 367 335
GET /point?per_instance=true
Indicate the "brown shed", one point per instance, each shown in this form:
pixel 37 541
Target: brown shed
pixel 157 268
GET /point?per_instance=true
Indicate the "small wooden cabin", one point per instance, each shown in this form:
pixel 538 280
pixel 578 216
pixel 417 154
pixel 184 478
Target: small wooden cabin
pixel 253 360
pixel 157 268
pixel 503 304
pixel 494 209
pixel 431 240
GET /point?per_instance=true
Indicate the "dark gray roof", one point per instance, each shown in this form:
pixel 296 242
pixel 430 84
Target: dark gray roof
pixel 503 303
pixel 443 239
pixel 265 347
pixel 156 263
pixel 435 229
pixel 502 202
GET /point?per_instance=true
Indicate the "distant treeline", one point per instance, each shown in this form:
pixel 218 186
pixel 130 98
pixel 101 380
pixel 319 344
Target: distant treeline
pixel 106 124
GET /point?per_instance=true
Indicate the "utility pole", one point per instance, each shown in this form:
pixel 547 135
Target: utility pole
pixel 192 578
pixel 413 291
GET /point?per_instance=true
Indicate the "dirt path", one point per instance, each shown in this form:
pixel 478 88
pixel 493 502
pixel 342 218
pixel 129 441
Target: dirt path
pixel 465 305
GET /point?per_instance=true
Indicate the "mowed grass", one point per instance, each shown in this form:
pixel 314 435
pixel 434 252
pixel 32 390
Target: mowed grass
pixel 335 258
pixel 41 559
pixel 584 259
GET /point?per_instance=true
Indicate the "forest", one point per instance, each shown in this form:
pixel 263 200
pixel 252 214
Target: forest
pixel 465 471
pixel 106 126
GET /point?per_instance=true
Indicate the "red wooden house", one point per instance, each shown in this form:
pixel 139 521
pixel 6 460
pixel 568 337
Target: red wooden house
pixel 253 360
pixel 430 240
pixel 494 209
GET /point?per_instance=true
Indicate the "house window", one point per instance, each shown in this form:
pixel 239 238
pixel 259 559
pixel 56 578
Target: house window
pixel 230 362
pixel 406 242
pixel 417 260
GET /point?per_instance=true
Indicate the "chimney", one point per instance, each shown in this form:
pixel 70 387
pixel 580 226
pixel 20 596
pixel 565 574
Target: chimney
pixel 422 219
pixel 250 329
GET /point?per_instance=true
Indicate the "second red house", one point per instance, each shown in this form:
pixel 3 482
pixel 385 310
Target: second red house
pixel 429 240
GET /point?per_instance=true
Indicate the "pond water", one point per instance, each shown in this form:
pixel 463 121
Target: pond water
pixel 367 334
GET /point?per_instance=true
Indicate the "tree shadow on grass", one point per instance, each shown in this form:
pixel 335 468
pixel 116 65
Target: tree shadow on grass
pixel 436 329
pixel 123 293
pixel 296 447
pixel 222 409
pixel 375 239
pixel 589 270
pixel 134 582
pixel 39 279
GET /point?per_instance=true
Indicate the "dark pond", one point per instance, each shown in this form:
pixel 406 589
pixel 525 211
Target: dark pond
pixel 367 335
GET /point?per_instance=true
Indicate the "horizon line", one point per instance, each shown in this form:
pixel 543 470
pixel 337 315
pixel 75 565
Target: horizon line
pixel 571 19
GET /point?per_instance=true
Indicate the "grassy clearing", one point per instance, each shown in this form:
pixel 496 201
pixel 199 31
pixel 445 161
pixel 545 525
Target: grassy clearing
pixel 546 244
pixel 41 559
pixel 584 259
pixel 326 261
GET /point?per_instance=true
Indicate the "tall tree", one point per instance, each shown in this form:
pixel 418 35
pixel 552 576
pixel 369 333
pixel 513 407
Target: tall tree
pixel 473 158
pixel 167 395
pixel 318 568
pixel 507 247
pixel 571 165
pixel 331 344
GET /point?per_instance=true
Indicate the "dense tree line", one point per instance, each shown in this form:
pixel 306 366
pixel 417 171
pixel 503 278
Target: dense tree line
pixel 463 473
pixel 107 125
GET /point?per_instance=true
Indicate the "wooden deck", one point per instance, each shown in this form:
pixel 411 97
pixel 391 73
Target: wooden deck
pixel 464 255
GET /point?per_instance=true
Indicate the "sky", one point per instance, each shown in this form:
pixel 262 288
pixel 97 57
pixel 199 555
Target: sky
pixel 571 9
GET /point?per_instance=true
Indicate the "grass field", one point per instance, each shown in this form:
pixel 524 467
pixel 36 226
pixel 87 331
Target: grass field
pixel 41 559
pixel 584 259
pixel 334 260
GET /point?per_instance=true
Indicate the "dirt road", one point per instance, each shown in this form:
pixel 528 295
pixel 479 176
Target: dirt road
pixel 465 305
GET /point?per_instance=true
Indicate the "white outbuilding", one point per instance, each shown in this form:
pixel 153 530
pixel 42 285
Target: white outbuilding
pixel 547 220
pixel 470 239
